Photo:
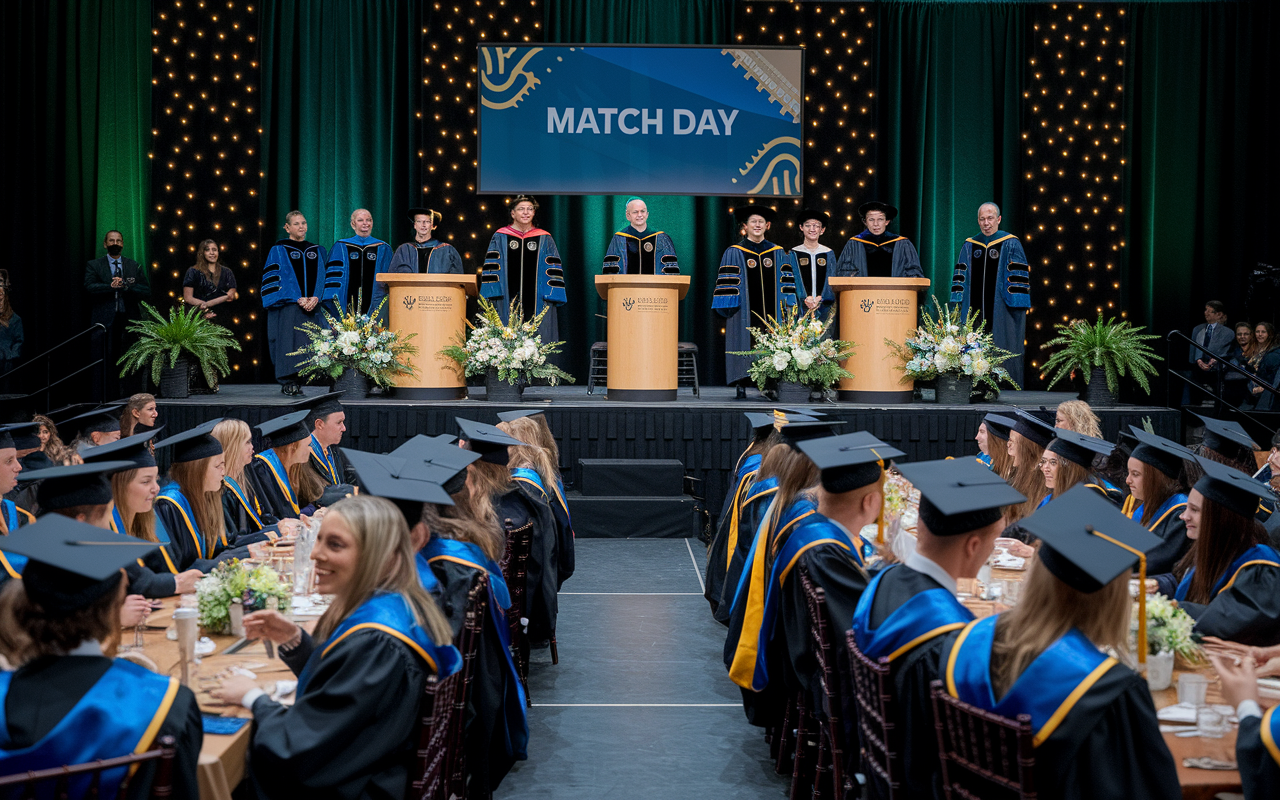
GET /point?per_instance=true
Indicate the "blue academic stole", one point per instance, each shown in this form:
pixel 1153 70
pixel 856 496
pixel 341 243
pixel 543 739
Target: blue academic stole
pixel 281 475
pixel 499 600
pixel 119 716
pixel 749 469
pixel 1271 733
pixel 531 477
pixel 759 491
pixel 250 505
pixel 1174 503
pixel 1258 554
pixel 12 563
pixel 328 469
pixel 1044 501
pixel 1047 690
pixel 925 616
pixel 985 460
pixel 425 575
pixel 749 668
pixel 390 613
pixel 173 494
pixel 162 538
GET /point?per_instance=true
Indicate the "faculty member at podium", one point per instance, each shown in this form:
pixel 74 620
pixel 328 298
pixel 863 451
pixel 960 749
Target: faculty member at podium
pixel 637 250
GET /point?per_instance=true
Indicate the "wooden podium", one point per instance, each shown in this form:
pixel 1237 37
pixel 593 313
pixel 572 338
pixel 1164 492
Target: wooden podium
pixel 872 310
pixel 644 332
pixel 435 308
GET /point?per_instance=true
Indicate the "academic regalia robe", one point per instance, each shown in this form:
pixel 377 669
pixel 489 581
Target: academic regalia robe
pixel 1105 488
pixel 24 494
pixel 293 271
pixel 868 255
pixel 432 256
pixel 1246 600
pixel 161 561
pixel 728 532
pixel 332 467
pixel 751 511
pixel 497 729
pixel 993 276
pixel 565 558
pixel 904 616
pixel 350 734
pixel 754 283
pixel 189 547
pixel 242 514
pixel 269 481
pixel 542 578
pixel 1105 745
pixel 811 270
pixel 113 704
pixel 632 252
pixel 349 270
pixel 1168 525
pixel 1258 754
pixel 526 265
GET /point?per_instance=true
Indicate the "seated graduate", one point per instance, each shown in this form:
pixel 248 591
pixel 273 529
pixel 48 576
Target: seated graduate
pixel 1258 738
pixel 280 476
pixel 360 679
pixel 189 507
pixel 242 512
pixel 1027 441
pixel 1068 462
pixel 764 652
pixel 993 442
pixel 1228 443
pixel 47 450
pixel 67 702
pixel 518 505
pixel 907 608
pixel 1078 416
pixel 537 462
pixel 1092 718
pixel 637 250
pixel 1231 582
pixel 94 428
pixel 12 517
pixel 425 253
pixel 1157 499
pixel 328 422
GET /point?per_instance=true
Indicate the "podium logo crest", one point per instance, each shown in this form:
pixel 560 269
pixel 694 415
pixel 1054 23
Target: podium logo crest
pixel 867 305
pixel 628 303
pixel 408 301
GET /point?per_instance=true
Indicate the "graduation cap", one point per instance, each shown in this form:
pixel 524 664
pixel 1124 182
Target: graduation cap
pixel 802 430
pixel 490 442
pixel 807 214
pixel 61 415
pixel 849 461
pixel 131 448
pixel 806 412
pixel 194 444
pixel 70 564
pixel 395 479
pixel 1231 488
pixel 999 425
pixel 439 451
pixel 511 416
pixel 764 422
pixel 436 216
pixel 104 419
pixel 286 429
pixel 1227 437
pixel 959 496
pixel 1079 448
pixel 1159 452
pixel 875 205
pixel 1032 427
pixel 20 436
pixel 744 213
pixel 322 405
pixel 76 485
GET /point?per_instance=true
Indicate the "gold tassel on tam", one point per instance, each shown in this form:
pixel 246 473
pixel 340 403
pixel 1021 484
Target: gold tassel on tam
pixel 1142 591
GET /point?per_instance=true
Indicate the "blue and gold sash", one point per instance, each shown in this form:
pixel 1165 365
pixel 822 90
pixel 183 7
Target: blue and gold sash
pixel 324 462
pixel 390 613
pixel 985 460
pixel 426 577
pixel 282 477
pixel 761 492
pixel 749 469
pixel 249 504
pixel 173 494
pixel 1174 505
pixel 12 563
pixel 925 616
pixel 1254 556
pixel 119 716
pixel 162 538
pixel 531 477
pixel 1047 690
pixel 563 511
pixel 1271 733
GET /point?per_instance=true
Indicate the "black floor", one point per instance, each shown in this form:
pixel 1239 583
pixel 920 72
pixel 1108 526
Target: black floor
pixel 640 705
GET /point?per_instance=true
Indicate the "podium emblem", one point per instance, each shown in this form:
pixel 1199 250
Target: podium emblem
pixel 867 305
pixel 408 301
pixel 628 302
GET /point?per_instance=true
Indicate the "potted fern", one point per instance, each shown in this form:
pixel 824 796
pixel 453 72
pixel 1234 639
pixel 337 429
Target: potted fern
pixel 1103 352
pixel 167 347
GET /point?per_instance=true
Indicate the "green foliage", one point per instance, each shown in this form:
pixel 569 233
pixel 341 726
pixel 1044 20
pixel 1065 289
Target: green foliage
pixel 514 349
pixel 944 344
pixel 1115 347
pixel 356 341
pixel 160 342
pixel 795 349
pixel 255 585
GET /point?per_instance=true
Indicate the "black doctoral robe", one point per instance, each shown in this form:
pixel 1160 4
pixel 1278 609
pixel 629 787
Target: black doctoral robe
pixel 1247 611
pixel 45 690
pixel 1107 747
pixel 350 735
pixel 516 508
pixel 1259 769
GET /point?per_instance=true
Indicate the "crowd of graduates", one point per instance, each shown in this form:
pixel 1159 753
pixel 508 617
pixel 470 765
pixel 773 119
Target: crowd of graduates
pixel 802 533
pixel 93 531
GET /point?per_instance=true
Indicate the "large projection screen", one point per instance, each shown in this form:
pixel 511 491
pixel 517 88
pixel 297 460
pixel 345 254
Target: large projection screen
pixel 588 119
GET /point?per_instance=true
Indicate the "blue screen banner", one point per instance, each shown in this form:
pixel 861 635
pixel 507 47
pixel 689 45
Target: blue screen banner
pixel 575 119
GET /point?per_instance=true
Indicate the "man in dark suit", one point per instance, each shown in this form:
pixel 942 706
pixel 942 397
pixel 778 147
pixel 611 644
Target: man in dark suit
pixel 116 284
pixel 1216 336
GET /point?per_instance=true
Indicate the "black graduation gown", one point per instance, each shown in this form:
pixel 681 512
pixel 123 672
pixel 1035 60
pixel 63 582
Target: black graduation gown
pixel 351 734
pixel 340 464
pixel 718 551
pixel 150 583
pixel 520 505
pixel 748 523
pixel 241 528
pixel 183 549
pixel 45 690
pixel 1247 612
pixel 263 484
pixel 1108 747
pixel 486 734
pixel 1259 771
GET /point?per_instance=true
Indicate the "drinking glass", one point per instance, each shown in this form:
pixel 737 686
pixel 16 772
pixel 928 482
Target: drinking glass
pixel 1211 723
pixel 1192 689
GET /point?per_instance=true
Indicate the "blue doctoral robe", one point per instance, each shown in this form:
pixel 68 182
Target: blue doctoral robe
pixel 293 270
pixel 992 275
pixel 755 281
pixel 349 270
pixel 525 265
pixel 867 255
pixel 634 253
pixel 432 256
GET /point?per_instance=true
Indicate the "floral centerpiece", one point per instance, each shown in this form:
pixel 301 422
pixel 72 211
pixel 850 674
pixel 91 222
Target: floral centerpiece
pixel 254 585
pixel 1168 629
pixel 794 348
pixel 946 345
pixel 357 342
pixel 510 353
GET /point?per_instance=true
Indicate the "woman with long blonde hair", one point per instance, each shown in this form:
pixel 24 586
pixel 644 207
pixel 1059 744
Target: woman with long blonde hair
pixel 536 464
pixel 1068 461
pixel 1078 416
pixel 993 442
pixel 241 509
pixel 1092 718
pixel 360 674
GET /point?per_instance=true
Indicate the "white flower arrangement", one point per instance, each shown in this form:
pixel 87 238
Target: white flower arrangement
pixel 945 344
pixel 1168 628
pixel 513 349
pixel 356 341
pixel 794 349
pixel 254 585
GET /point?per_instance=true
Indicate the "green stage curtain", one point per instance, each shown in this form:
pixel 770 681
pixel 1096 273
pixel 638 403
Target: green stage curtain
pixel 582 226
pixel 77 82
pixel 341 85
pixel 949 122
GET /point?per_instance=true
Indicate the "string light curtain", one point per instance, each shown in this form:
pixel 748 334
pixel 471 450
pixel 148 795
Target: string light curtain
pixel 205 156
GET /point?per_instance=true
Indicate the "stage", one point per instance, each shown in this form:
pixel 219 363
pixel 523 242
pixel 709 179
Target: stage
pixel 704 433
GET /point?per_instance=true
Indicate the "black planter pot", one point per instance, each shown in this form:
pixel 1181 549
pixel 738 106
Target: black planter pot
pixel 354 382
pixel 175 380
pixel 496 390
pixel 1096 392
pixel 954 390
pixel 789 392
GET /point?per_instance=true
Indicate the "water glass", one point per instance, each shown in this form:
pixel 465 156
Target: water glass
pixel 1192 689
pixel 1211 723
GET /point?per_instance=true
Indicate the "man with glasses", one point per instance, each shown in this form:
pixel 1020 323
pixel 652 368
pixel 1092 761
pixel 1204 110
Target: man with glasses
pixel 811 258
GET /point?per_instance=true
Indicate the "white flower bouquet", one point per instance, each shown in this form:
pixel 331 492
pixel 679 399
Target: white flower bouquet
pixel 356 341
pixel 254 585
pixel 514 350
pixel 1168 629
pixel 794 348
pixel 945 344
